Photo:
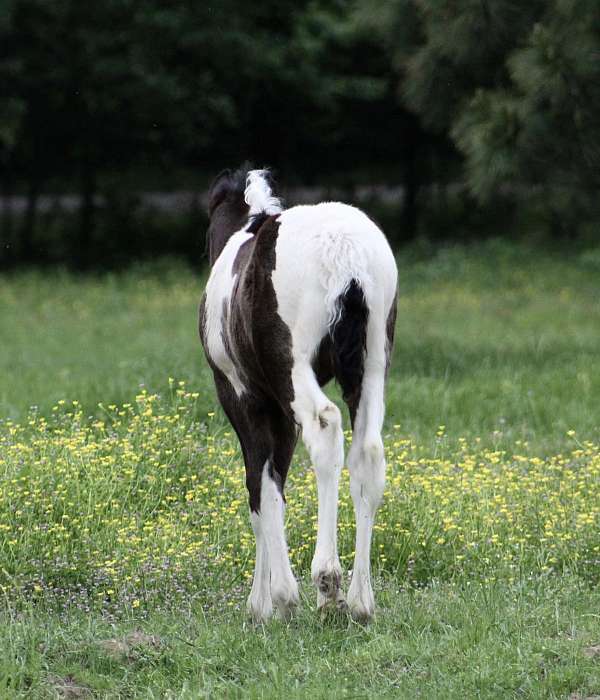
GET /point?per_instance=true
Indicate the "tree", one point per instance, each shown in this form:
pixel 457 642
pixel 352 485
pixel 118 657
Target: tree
pixel 119 84
pixel 543 128
pixel 368 130
pixel 516 88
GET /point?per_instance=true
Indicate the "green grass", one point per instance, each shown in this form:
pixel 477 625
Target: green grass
pixel 125 549
pixel 531 641
pixel 499 342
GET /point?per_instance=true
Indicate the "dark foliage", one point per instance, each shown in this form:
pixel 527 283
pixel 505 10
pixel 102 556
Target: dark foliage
pixel 466 106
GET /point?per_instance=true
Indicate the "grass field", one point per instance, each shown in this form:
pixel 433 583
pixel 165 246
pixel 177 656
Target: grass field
pixel 125 547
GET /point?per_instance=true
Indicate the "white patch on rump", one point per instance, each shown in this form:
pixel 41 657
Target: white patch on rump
pixel 218 292
pixel 322 248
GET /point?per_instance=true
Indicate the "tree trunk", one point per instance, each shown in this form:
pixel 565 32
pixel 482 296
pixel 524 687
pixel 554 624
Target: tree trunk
pixel 27 251
pixel 6 236
pixel 411 190
pixel 87 218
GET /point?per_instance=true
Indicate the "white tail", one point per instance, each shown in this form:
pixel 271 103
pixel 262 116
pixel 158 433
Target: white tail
pixel 341 262
pixel 258 194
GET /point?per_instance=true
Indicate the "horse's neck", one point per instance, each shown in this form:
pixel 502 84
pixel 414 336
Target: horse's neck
pixel 223 229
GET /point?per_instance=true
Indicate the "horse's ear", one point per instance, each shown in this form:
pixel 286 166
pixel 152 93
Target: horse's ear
pixel 218 190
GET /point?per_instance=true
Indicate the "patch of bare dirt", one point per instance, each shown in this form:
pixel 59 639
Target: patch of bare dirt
pixel 68 687
pixel 592 652
pixel 125 647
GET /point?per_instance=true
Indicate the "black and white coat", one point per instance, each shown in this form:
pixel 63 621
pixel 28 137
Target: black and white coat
pixel 295 298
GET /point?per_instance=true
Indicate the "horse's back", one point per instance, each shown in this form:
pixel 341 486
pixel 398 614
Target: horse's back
pixel 320 250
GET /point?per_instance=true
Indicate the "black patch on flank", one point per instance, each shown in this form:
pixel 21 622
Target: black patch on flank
pixel 263 343
pixel 349 341
pixel 322 363
pixel 260 345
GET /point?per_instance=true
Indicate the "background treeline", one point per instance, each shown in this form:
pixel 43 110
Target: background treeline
pixel 465 118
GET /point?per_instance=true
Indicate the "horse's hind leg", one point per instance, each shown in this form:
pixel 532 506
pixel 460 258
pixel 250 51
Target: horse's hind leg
pixel 267 444
pixel 322 434
pixel 366 463
pixel 266 467
pixel 284 588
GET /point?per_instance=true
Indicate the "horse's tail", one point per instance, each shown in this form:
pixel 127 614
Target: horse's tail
pixel 348 332
pixel 258 194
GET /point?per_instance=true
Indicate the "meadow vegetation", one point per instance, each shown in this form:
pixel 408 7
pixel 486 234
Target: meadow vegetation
pixel 125 547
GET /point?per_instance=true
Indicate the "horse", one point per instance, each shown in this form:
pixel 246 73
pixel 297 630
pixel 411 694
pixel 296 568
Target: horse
pixel 295 298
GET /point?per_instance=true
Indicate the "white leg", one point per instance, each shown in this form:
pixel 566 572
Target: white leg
pixel 260 605
pixel 322 434
pixel 366 463
pixel 367 481
pixel 284 588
